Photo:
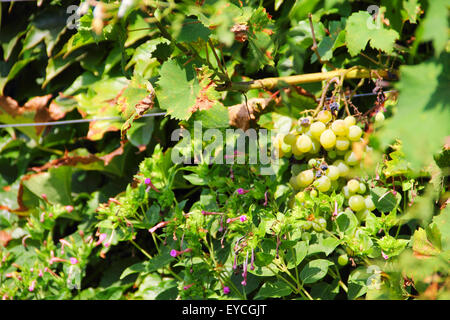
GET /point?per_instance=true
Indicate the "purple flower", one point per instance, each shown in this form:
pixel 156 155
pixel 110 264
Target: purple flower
pixel 32 286
pixel 384 255
pixel 242 191
pixel 73 260
pixel 226 290
pixel 174 253
pixel 244 274
pixel 188 286
pixel 149 183
pixel 243 218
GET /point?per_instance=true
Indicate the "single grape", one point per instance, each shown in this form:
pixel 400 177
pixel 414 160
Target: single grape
pixel 296 151
pixel 317 128
pixel 313 193
pixel 354 133
pixel 286 148
pixel 356 203
pixel 351 159
pixel 353 185
pixel 305 178
pixel 323 184
pixel 290 138
pixel 300 196
pixel 362 215
pixel 315 148
pixel 342 260
pixel 332 154
pixel 312 163
pixel 362 188
pixel 346 192
pixel 350 121
pixel 328 139
pixel 304 143
pixel 306 226
pixel 293 182
pixel 324 116
pixel 369 203
pixel 379 117
pixel 339 128
pixel 333 173
pixel 344 170
pixel 342 143
pixel 319 225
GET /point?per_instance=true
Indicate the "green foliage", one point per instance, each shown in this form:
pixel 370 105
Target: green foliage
pixel 100 210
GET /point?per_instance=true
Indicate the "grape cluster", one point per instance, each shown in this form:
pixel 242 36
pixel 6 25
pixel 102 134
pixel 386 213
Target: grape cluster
pixel 325 146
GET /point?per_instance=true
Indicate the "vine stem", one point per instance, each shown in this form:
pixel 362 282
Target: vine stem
pixel 270 83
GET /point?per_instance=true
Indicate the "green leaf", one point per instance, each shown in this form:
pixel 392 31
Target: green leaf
pixel 360 29
pixel 442 222
pixel 391 246
pixel 56 184
pixel 296 255
pixel 274 290
pixel 422 246
pixel 435 25
pixel 347 222
pixel 357 282
pixel 326 245
pixel 315 270
pixel 423 100
pixel 384 199
pixel 193 30
pixel 137 267
pixel 325 291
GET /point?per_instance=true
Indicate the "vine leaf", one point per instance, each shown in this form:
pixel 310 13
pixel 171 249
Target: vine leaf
pixel 421 119
pixel 184 89
pixel 361 29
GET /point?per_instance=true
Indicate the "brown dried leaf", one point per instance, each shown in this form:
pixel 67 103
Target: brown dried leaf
pixel 5 237
pixel 239 113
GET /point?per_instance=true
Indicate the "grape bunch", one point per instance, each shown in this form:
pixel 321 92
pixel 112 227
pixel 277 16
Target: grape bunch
pixel 324 146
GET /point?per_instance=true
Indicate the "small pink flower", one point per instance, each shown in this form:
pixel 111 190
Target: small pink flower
pixel 174 253
pixel 69 209
pixel 384 255
pixel 242 191
pixel 40 273
pixel 243 218
pixel 73 260
pixel 101 238
pixel 149 183
pixel 159 225
pixel 42 217
pixel 226 290
pixel 32 286
pixel 188 286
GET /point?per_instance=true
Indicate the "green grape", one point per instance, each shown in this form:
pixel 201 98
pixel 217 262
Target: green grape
pixel 369 203
pixel 356 203
pixel 353 185
pixel 293 182
pixel 362 188
pixel 300 196
pixel 328 139
pixel 350 121
pixel 339 128
pixel 332 154
pixel 342 143
pixel 315 146
pixel 319 225
pixel 296 151
pixel 313 193
pixel 379 117
pixel 323 184
pixel 350 158
pixel 304 143
pixel 362 215
pixel 290 138
pixel 344 170
pixel 345 192
pixel 312 163
pixel 305 178
pixel 324 116
pixel 354 133
pixel 333 173
pixel 342 260
pixel 286 148
pixel 317 128
pixel 306 226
